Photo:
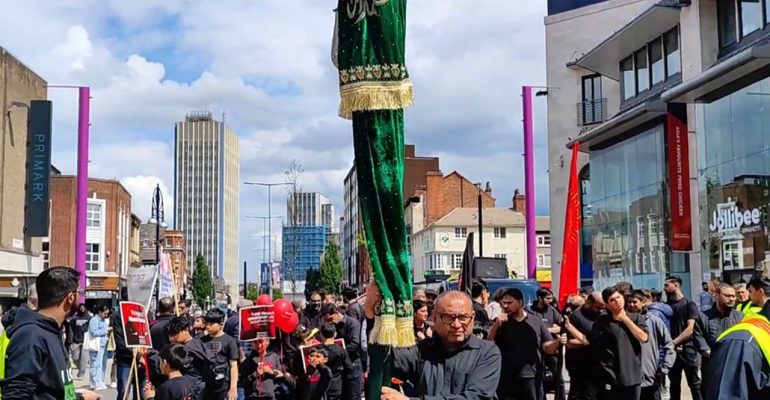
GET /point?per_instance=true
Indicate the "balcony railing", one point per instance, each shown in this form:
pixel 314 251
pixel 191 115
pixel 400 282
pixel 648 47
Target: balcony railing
pixel 591 112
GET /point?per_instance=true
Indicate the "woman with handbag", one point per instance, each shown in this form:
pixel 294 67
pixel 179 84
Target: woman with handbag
pixel 98 330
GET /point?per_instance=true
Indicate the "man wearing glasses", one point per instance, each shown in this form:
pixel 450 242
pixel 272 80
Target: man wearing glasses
pixel 454 362
pixel 36 364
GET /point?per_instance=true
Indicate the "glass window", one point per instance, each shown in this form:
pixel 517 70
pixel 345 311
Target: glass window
pixel 502 256
pixel 657 65
pixel 627 77
pixel 642 70
pixel 500 233
pixel 93 215
pixel 457 260
pixel 751 16
pixel 726 20
pixel 92 257
pixel 671 45
pixel 544 240
pixel 461 233
pixel 592 99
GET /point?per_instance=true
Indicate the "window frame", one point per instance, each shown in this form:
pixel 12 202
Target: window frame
pixel 94 220
pixel 594 118
pixel 93 250
pixel 461 232
pixel 646 50
pixel 542 239
pixel 739 35
pixel 500 233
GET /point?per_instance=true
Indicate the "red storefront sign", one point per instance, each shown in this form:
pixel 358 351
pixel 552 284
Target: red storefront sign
pixel 679 183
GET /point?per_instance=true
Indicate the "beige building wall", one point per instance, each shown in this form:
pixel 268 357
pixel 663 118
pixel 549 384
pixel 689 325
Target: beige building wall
pixel 569 35
pixel 231 181
pixel 18 84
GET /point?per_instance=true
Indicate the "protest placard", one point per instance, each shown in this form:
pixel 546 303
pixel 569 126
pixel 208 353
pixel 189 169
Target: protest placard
pixel 135 325
pixel 256 323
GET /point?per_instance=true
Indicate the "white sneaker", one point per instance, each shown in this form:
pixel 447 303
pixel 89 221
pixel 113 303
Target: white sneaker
pixel 114 385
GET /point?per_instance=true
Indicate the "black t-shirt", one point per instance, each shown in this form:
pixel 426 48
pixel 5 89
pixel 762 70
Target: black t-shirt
pixel 684 310
pixel 221 351
pixel 482 318
pixel 618 353
pixel 520 346
pixel 580 358
pixel 179 388
pixel 260 386
pixel 549 315
pixel 338 362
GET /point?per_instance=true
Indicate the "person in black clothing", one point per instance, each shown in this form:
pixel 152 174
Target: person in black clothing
pixel 124 357
pixel 224 353
pixel 523 339
pixel 720 317
pixel 685 315
pixel 77 326
pixel 177 386
pixel 314 384
pixel 311 315
pixel 339 364
pixel 159 327
pixel 422 329
pixel 348 329
pixel 198 368
pixel 480 296
pixel 552 319
pixel 262 368
pixel 579 357
pixel 36 362
pixel 616 341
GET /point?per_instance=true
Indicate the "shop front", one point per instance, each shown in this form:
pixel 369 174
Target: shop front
pixel 102 291
pixel 734 183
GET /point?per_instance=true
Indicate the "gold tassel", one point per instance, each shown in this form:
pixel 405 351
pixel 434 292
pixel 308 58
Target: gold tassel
pixel 405 331
pixel 364 96
pixel 384 331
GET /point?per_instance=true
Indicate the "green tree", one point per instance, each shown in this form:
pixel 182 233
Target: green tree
pixel 331 269
pixel 277 294
pixel 202 287
pixel 253 292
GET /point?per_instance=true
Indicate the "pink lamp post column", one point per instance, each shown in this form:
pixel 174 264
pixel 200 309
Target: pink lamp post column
pixel 84 101
pixel 529 180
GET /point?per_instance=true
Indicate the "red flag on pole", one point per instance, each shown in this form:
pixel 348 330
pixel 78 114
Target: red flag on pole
pixel 568 279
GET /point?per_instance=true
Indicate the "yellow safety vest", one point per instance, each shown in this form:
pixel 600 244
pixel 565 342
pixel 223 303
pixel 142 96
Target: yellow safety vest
pixel 759 327
pixel 748 309
pixel 4 341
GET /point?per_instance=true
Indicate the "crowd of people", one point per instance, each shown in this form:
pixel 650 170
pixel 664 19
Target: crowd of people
pixel 618 343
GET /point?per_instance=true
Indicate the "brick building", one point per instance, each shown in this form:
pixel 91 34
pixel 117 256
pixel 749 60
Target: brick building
pixel 20 255
pixel 109 226
pixel 174 246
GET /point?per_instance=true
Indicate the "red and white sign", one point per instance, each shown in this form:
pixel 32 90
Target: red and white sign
pixel 256 322
pixel 679 183
pixel 135 325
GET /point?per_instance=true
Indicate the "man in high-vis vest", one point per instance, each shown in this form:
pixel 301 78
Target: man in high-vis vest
pixel 758 297
pixel 740 363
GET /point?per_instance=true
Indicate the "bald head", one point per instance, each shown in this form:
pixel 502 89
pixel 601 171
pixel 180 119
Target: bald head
pixel 454 298
pixel 166 306
pixel 594 304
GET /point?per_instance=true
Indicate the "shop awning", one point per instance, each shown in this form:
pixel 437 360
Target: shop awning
pixel 621 123
pixel 605 58
pixel 723 78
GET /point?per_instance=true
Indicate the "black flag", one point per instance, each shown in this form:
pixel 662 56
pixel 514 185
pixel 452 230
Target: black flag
pixel 466 274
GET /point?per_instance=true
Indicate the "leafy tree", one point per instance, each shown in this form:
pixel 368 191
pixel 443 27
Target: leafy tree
pixel 277 294
pixel 253 292
pixel 331 269
pixel 201 282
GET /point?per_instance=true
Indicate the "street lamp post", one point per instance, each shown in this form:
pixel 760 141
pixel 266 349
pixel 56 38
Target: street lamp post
pixel 269 207
pixel 157 217
pixel 265 259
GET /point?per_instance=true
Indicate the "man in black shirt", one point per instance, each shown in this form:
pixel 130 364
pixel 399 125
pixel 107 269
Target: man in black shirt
pixel 198 367
pixel 311 315
pixel 76 329
pixel 682 331
pixel 355 310
pixel 480 296
pixel 223 350
pixel 159 327
pixel 616 341
pixel 579 357
pixel 522 338
pixel 348 329
pixel 543 309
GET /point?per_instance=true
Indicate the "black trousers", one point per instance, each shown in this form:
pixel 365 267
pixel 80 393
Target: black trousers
pixel 522 389
pixel 652 392
pixel 620 392
pixel 691 372
pixel 554 365
pixel 581 386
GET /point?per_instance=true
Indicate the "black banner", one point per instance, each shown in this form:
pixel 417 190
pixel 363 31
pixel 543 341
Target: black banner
pixel 36 213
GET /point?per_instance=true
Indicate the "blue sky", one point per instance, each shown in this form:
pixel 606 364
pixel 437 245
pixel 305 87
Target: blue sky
pixel 266 64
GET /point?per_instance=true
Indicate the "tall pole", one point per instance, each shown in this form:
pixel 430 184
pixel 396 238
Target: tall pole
pixel 245 282
pixel 481 235
pixel 529 181
pixel 269 222
pixel 84 100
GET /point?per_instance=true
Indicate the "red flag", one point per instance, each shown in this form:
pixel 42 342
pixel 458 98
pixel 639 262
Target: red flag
pixel 568 280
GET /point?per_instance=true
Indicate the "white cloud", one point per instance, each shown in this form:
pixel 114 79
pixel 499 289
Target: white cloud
pixel 142 189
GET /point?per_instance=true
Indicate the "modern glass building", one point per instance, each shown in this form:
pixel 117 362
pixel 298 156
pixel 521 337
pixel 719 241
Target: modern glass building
pixel 302 250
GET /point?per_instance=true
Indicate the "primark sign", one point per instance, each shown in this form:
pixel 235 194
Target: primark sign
pixel 36 214
pixel 730 222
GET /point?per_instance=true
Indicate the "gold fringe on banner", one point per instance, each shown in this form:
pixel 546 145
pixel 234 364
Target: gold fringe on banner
pixel 368 96
pixel 391 331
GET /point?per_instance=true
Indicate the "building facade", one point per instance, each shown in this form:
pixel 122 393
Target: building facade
pixel 671 123
pixel 310 209
pixel 108 232
pixel 20 255
pixel 438 247
pixel 206 192
pixel 174 247
pixel 543 232
pixel 302 249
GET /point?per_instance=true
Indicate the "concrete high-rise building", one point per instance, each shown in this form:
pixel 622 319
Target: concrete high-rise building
pixel 310 209
pixel 206 192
